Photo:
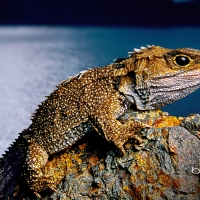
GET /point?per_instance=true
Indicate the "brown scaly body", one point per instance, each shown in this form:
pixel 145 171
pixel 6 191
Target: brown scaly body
pixel 150 78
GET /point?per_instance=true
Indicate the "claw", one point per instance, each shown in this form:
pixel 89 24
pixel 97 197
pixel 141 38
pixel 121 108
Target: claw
pixel 121 149
pixel 142 143
pixel 53 187
pixel 37 195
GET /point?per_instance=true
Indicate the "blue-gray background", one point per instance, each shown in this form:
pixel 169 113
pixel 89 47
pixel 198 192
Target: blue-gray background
pixel 34 58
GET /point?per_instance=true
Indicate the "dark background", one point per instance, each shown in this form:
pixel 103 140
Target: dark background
pixel 100 12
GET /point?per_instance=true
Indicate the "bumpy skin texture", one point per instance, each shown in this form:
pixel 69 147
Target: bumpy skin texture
pixel 149 78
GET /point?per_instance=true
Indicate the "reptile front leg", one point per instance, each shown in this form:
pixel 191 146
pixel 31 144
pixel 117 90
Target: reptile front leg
pixel 106 118
pixel 36 159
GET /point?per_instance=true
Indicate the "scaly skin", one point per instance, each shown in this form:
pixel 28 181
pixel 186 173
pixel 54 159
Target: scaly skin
pixel 150 79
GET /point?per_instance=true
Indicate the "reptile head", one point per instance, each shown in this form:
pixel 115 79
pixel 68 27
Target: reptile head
pixel 161 76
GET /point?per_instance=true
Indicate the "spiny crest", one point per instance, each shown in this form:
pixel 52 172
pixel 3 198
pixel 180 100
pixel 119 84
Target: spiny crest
pixel 131 54
pixel 79 75
pixel 16 143
pixel 141 50
pixel 7 150
pixel 118 60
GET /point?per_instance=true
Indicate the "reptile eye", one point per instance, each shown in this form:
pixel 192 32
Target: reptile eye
pixel 182 60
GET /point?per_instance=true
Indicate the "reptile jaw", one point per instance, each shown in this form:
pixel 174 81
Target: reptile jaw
pixel 166 90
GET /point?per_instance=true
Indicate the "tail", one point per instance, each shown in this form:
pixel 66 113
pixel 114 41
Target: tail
pixel 11 168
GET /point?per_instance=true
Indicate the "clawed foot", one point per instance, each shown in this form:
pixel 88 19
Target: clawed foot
pixel 47 186
pixel 130 132
pixel 140 143
pixel 40 183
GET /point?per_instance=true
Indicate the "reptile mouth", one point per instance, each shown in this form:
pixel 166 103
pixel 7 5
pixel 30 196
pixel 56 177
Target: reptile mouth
pixel 172 83
pixel 166 90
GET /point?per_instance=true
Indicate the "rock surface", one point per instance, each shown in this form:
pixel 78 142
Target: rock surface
pixel 167 167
